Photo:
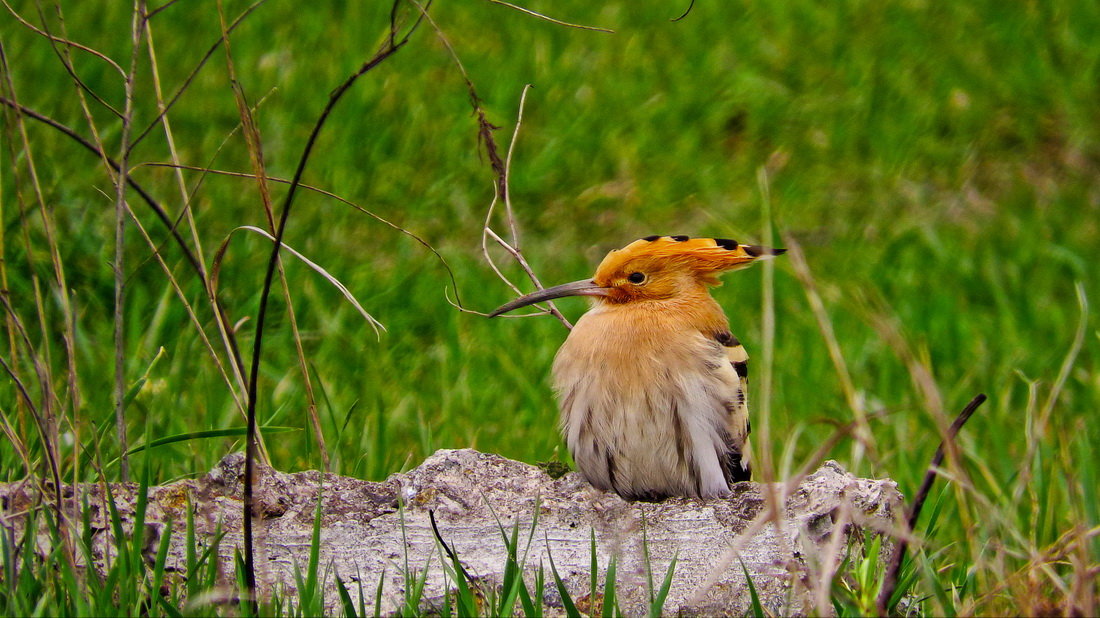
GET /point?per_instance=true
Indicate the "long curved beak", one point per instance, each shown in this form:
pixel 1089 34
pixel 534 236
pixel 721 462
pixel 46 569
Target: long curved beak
pixel 586 287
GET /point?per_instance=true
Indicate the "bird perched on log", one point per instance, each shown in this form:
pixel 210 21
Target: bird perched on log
pixel 650 382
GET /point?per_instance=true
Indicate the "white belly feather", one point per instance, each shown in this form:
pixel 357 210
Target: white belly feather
pixel 647 413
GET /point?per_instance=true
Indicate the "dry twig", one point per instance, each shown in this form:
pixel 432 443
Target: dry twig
pixel 890 583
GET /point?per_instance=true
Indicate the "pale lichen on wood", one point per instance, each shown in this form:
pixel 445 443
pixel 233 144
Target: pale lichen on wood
pixel 371 530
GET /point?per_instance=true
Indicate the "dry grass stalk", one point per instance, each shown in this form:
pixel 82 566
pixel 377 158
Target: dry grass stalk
pixel 864 438
pixel 254 144
pixel 44 415
pixel 550 19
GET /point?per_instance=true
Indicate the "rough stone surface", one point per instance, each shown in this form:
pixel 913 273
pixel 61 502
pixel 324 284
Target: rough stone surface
pixel 373 530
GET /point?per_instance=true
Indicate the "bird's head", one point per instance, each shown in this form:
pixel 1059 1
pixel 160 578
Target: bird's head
pixel 655 268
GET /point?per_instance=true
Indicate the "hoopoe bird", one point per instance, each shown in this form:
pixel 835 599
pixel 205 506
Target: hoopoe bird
pixel 651 383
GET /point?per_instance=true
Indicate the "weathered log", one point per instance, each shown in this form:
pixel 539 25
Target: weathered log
pixel 373 530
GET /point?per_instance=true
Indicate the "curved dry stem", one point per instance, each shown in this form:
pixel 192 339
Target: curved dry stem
pixel 64 41
pixel 375 324
pixel 687 11
pixel 513 248
pixel 500 172
pixel 156 11
pixel 388 48
pixel 550 19
pixel 508 168
pixel 891 579
pixel 194 72
pixel 329 194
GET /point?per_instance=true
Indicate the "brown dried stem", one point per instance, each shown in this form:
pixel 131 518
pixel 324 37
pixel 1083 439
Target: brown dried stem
pixel 137 26
pixel 388 48
pixel 45 418
pixel 501 171
pixel 256 157
pixel 890 583
pixel 64 41
pixel 313 189
pixel 550 19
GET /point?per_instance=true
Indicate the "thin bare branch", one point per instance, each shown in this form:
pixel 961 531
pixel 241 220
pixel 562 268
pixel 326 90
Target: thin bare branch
pixel 374 323
pixel 156 11
pixel 194 72
pixel 64 55
pixel 890 582
pixel 137 26
pixel 391 46
pixel 691 5
pixel 313 189
pixel 549 19
pixel 509 213
pixel 64 41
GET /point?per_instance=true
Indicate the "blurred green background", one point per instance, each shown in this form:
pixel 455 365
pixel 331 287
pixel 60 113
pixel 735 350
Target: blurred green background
pixel 938 163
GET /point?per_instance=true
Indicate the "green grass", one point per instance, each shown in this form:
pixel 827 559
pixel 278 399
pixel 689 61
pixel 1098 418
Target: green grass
pixel 937 163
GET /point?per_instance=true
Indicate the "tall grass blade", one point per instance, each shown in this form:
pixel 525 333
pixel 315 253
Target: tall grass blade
pixel 512 582
pixel 310 598
pixel 248 604
pixel 566 600
pixel 345 599
pixel 610 604
pixel 209 433
pixel 136 387
pixel 378 594
pixel 757 608
pixel 593 571
pixel 161 560
pixel 656 607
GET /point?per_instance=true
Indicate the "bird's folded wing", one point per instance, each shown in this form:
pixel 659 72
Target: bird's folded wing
pixel 735 462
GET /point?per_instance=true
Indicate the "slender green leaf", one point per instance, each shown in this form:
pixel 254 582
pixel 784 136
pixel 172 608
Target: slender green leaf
pixel 610 603
pixel 566 601
pixel 210 433
pixel 161 560
pixel 757 608
pixel 345 598
pixel 310 599
pixel 656 607
pixel 593 570
pixel 530 608
pixel 135 388
pixel 378 594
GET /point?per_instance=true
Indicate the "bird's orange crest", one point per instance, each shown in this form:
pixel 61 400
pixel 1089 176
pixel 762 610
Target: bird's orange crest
pixel 663 266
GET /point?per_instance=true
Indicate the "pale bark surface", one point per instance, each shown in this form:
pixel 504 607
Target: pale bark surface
pixel 372 530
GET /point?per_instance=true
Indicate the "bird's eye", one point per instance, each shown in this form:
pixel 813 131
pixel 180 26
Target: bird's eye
pixel 636 278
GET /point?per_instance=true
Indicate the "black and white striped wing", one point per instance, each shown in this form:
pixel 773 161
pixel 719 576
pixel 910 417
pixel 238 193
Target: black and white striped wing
pixel 735 461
